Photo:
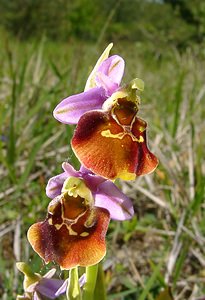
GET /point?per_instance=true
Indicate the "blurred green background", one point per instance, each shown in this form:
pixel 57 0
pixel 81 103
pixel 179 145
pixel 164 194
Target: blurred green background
pixel 47 49
pixel 170 23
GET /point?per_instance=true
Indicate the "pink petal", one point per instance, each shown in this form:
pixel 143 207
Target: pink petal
pixel 113 67
pixel 70 109
pixel 49 287
pixel 50 273
pixel 107 83
pixel 111 198
pixel 70 171
pixel 55 184
pixel 62 289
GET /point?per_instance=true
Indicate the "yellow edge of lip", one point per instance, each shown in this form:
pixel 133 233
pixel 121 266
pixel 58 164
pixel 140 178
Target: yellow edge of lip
pixel 126 175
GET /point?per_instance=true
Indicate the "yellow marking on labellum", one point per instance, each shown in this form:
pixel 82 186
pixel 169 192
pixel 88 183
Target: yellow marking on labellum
pixel 139 140
pixel 71 231
pixel 58 226
pixel 84 234
pixel 68 226
pixel 127 130
pixel 141 128
pixel 50 222
pixel 107 133
pixel 121 135
pixel 126 176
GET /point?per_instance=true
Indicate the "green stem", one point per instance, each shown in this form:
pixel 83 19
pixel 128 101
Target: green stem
pixel 89 287
pixel 100 290
pixel 73 290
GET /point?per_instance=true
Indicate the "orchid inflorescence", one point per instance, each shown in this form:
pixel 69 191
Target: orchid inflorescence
pixel 110 143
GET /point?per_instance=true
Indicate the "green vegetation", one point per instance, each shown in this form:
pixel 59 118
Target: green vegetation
pixel 176 22
pixel 164 244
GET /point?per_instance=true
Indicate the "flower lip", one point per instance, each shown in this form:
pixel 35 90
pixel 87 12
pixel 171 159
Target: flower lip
pixel 114 144
pixel 73 234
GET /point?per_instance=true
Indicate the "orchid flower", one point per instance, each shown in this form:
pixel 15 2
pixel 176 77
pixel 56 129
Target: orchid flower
pixel 74 231
pixel 39 287
pixel 105 193
pixel 103 81
pixel 73 234
pixel 111 142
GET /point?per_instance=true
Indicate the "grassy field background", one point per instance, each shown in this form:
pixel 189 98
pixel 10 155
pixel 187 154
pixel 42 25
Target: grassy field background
pixel 164 244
